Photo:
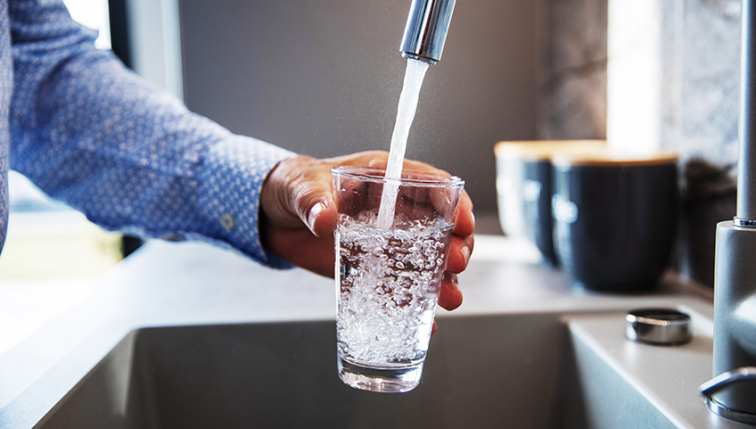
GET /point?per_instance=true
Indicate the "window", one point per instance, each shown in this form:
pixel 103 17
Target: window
pixel 92 14
pixel 46 239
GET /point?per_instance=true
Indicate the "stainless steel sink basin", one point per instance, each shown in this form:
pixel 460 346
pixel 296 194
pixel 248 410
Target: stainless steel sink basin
pixel 525 351
pixel 513 371
pixel 485 371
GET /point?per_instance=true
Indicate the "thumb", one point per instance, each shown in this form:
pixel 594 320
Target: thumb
pixel 317 209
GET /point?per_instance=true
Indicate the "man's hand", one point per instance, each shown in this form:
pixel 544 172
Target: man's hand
pixel 298 216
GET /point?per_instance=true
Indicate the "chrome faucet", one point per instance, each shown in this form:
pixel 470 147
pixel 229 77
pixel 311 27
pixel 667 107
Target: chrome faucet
pixel 732 392
pixel 425 33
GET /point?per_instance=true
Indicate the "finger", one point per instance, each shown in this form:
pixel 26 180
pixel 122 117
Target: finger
pixel 449 296
pixel 423 167
pixel 379 159
pixel 435 326
pixel 373 158
pixel 460 249
pixel 464 219
pixel 303 249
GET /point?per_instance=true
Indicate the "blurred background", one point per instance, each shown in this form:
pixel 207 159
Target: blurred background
pixel 320 78
pixel 323 77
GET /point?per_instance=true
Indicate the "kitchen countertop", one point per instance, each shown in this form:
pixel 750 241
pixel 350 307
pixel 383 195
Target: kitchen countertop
pixel 167 284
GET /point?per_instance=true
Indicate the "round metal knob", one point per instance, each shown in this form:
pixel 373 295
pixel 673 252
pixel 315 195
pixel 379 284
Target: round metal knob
pixel 658 326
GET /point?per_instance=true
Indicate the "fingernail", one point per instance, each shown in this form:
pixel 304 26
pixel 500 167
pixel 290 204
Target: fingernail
pixel 314 212
pixel 465 254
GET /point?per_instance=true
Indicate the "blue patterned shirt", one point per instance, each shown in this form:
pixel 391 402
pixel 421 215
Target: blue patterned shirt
pixel 131 157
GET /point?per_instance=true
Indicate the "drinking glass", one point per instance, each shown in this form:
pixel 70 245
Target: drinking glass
pixel 387 279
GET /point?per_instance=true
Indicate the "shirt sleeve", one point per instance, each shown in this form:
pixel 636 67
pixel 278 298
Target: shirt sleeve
pixel 131 157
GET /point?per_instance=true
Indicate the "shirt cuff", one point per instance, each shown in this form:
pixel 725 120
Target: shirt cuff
pixel 230 183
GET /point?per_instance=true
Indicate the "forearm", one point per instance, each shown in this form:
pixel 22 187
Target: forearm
pixel 127 154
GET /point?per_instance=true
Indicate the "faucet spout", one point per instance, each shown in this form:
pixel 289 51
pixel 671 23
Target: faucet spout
pixel 425 33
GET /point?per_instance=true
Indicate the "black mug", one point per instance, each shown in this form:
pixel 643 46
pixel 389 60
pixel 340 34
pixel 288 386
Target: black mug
pixel 614 218
pixel 524 188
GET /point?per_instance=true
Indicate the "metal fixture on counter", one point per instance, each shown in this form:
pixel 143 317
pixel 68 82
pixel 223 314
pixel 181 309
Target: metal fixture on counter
pixel 722 382
pixel 731 393
pixel 425 33
pixel 658 326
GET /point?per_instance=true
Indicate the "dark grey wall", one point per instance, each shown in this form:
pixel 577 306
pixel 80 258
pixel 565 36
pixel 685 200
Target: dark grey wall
pixel 323 77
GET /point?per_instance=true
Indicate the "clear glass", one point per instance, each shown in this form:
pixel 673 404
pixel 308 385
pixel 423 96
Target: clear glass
pixel 388 279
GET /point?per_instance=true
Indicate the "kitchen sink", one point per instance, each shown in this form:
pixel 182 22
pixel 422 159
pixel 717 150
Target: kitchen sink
pixel 189 336
pixel 513 371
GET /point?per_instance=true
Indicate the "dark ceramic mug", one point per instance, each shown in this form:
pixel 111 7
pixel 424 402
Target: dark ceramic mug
pixel 524 188
pixel 614 218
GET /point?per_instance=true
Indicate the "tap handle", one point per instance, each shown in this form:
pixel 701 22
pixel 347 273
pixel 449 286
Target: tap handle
pixel 425 33
pixel 722 382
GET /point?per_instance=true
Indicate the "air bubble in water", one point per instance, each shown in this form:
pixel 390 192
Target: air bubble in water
pixel 378 301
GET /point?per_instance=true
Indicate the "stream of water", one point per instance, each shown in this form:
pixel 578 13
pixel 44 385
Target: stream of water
pixel 413 81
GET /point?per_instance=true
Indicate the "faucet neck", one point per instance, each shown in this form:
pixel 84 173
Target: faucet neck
pixel 746 210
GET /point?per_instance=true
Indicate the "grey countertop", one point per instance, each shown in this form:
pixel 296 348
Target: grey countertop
pixel 187 284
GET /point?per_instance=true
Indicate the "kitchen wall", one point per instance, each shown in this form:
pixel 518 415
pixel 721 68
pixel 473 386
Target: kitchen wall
pixel 657 74
pixel 674 83
pixel 573 60
pixel 323 77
